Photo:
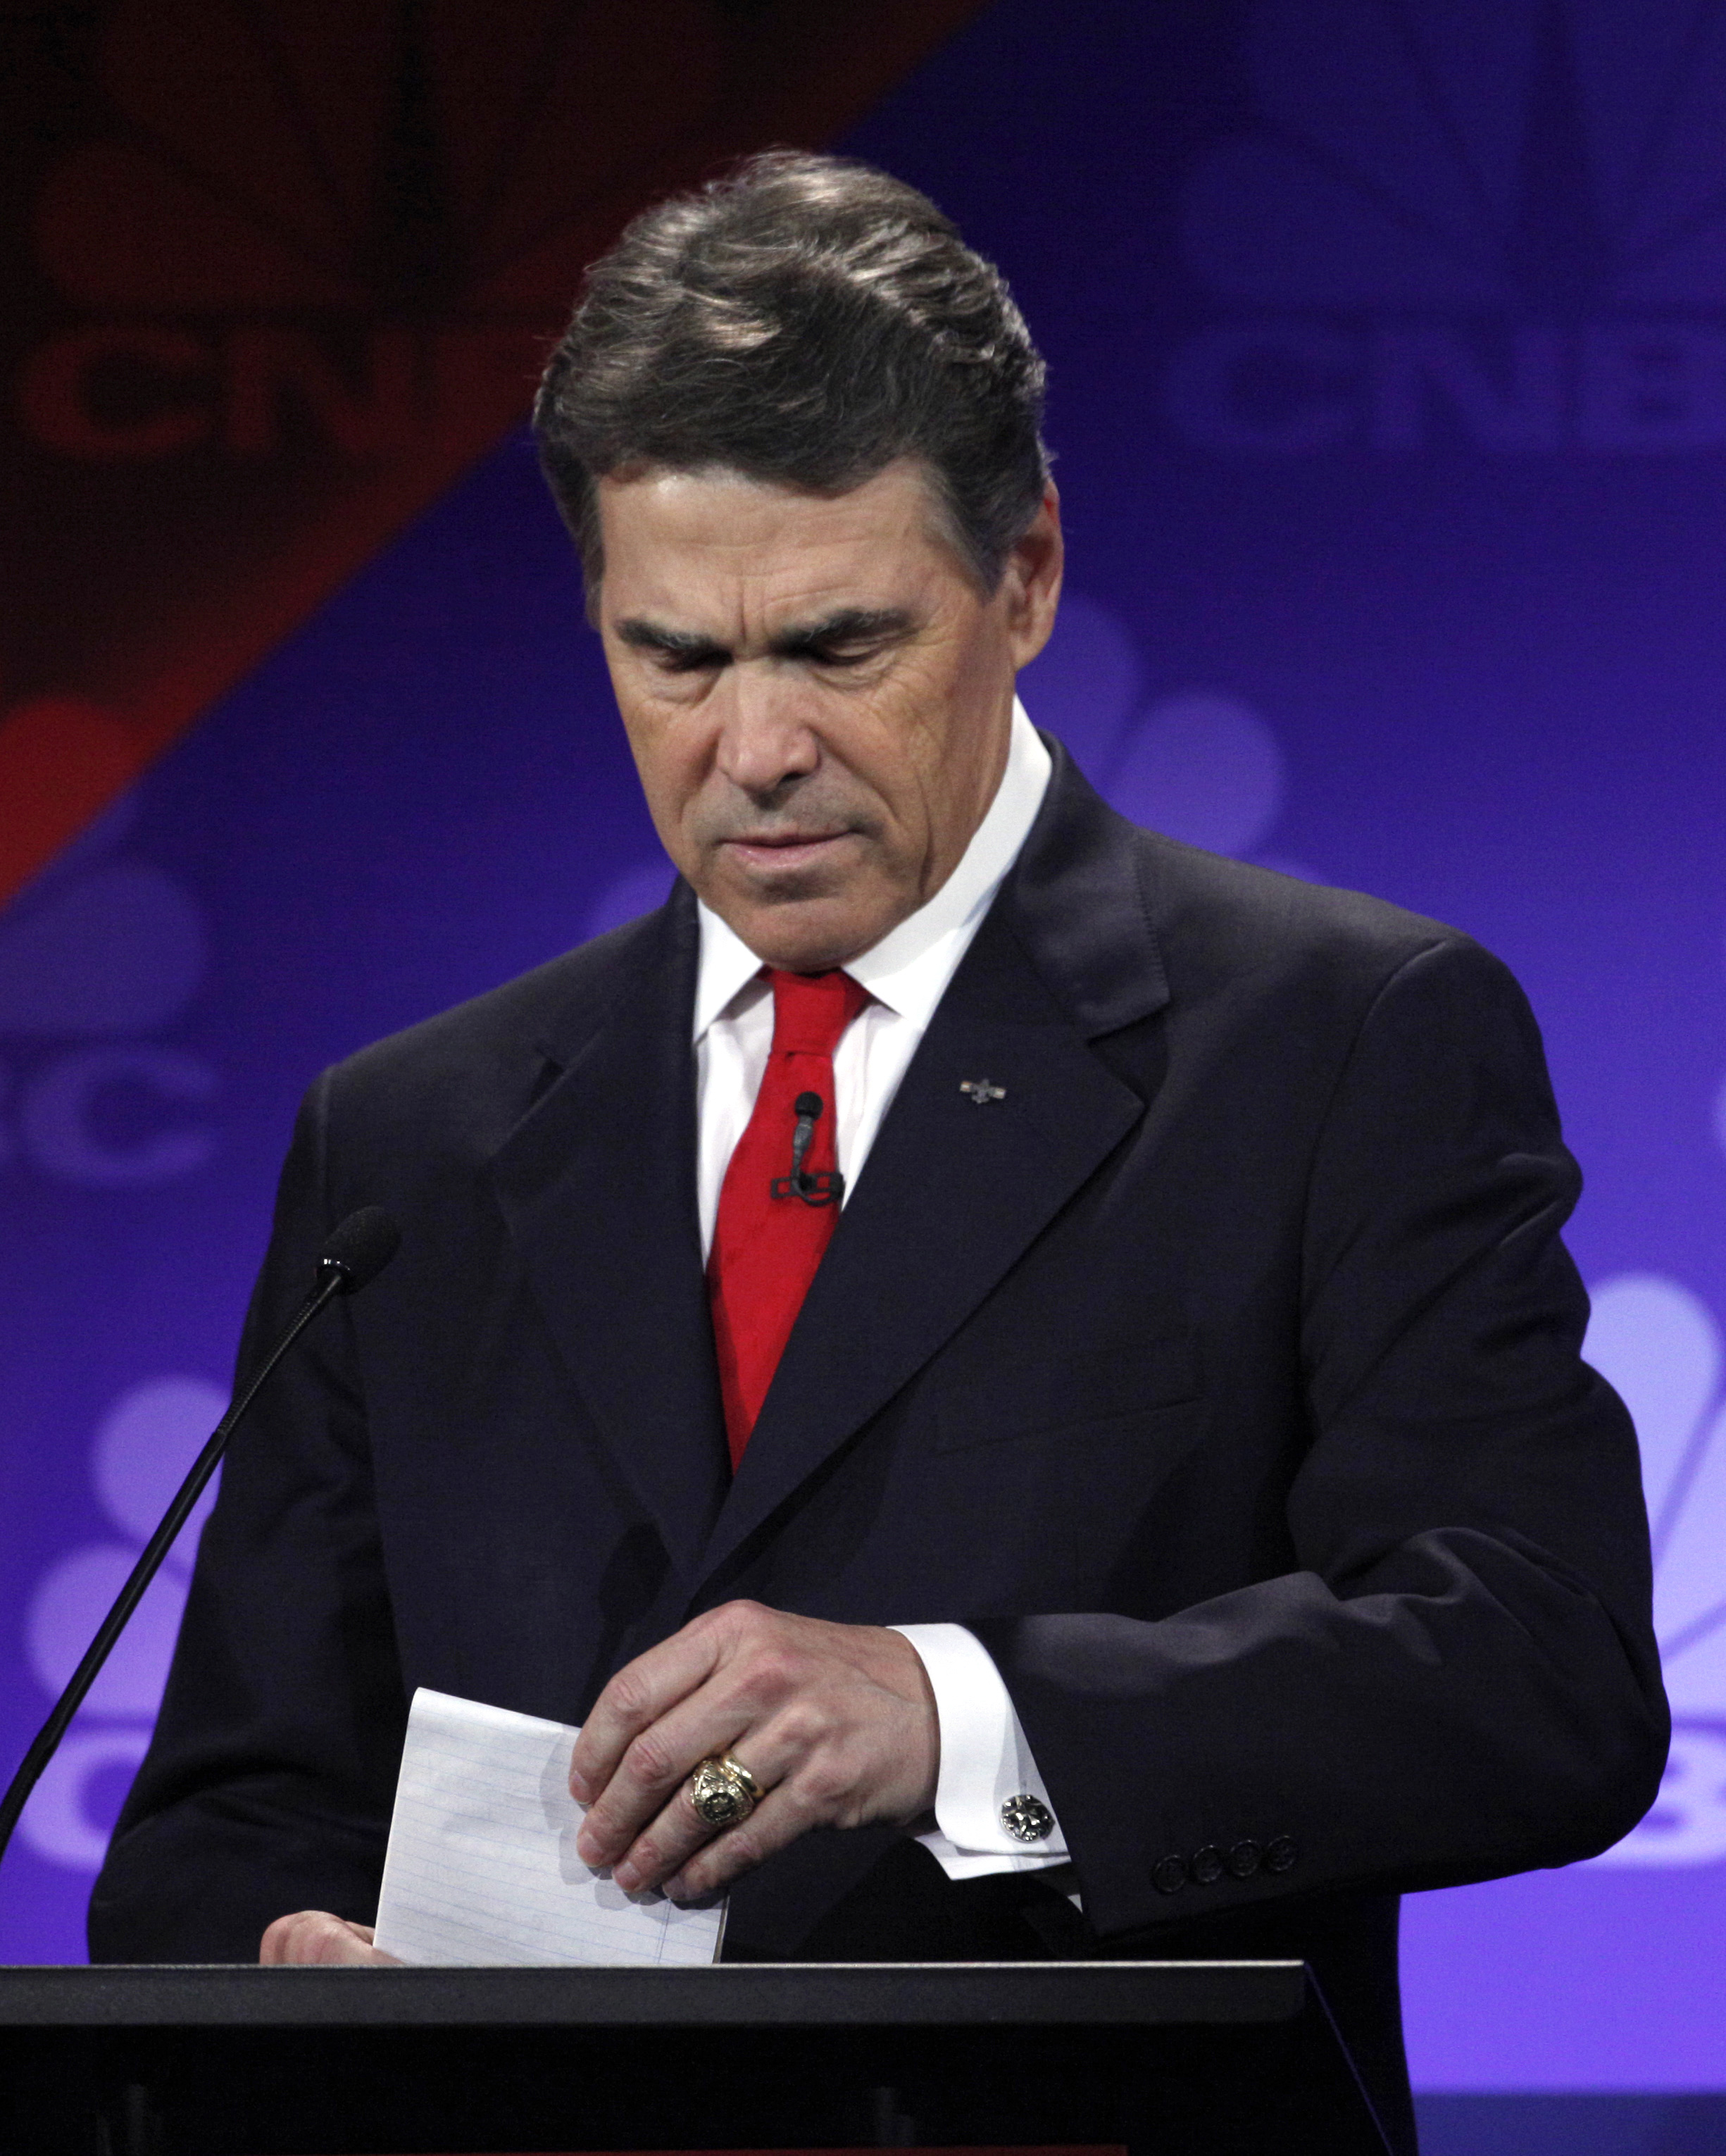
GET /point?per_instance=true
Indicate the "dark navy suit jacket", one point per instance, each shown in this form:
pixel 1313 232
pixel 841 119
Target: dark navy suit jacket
pixel 1222 1375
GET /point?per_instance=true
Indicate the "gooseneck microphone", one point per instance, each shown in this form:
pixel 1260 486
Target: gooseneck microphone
pixel 356 1252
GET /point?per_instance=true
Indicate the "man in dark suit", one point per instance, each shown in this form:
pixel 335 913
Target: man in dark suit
pixel 1135 1276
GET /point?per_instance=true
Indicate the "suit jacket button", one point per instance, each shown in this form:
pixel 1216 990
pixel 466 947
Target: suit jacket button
pixel 1205 1864
pixel 1170 1876
pixel 1243 1860
pixel 1280 1854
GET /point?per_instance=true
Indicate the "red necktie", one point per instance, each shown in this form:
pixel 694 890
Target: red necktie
pixel 780 1201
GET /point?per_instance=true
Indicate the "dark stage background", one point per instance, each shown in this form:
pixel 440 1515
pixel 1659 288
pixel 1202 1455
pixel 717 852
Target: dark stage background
pixel 1388 341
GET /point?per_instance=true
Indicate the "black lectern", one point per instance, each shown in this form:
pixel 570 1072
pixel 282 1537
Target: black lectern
pixel 1150 2058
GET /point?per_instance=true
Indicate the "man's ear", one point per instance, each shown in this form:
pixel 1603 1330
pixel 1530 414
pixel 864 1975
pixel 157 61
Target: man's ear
pixel 1031 580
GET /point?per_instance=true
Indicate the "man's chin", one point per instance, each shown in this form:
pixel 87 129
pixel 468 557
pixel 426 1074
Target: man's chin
pixel 808 935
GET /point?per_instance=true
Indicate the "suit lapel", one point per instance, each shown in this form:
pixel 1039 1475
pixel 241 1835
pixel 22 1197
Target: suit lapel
pixel 956 1190
pixel 597 1185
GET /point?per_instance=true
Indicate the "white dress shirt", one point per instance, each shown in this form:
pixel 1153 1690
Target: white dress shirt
pixel 985 1758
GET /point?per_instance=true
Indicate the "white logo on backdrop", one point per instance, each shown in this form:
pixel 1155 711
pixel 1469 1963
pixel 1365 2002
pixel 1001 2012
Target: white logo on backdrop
pixel 1661 1347
pixel 101 951
pixel 1511 212
pixel 145 1445
pixel 1198 763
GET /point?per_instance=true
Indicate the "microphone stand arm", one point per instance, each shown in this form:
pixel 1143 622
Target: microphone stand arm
pixel 332 1279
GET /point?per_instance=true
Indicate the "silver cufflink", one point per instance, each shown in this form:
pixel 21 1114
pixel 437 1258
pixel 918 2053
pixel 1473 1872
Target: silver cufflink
pixel 1025 1820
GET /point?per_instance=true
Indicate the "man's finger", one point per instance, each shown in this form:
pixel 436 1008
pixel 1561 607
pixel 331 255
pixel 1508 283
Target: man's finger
pixel 635 1699
pixel 314 1938
pixel 776 1822
pixel 843 1713
pixel 648 1797
pixel 677 1832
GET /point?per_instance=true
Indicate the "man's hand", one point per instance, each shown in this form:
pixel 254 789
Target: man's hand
pixel 313 1938
pixel 836 1722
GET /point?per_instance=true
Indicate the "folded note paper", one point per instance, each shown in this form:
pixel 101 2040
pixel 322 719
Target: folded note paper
pixel 482 1867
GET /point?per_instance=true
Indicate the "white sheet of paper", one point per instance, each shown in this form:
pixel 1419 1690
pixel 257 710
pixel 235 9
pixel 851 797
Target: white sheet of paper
pixel 482 1867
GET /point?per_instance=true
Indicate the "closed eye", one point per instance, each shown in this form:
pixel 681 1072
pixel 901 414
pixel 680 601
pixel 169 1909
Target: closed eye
pixel 703 659
pixel 821 654
pixel 851 638
pixel 673 650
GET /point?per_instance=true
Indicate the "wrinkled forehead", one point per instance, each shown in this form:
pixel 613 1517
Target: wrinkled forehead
pixel 694 542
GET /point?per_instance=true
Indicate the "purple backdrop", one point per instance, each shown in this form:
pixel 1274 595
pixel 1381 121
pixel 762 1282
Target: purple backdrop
pixel 1389 353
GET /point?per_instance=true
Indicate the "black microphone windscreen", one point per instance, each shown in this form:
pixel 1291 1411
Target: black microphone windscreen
pixel 362 1247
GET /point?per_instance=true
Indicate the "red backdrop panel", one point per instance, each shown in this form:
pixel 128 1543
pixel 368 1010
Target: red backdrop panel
pixel 285 271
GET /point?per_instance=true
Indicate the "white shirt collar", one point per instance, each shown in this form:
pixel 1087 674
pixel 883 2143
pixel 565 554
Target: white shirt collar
pixel 909 968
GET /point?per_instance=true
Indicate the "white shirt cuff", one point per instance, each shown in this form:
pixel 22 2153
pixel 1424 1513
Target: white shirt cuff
pixel 985 1761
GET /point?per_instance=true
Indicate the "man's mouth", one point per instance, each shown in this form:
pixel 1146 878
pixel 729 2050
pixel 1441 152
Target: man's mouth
pixel 785 849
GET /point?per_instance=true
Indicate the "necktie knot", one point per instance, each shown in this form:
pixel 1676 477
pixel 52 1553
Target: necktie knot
pixel 811 1011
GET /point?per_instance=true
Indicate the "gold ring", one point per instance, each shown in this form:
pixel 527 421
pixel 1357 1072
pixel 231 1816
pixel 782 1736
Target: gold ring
pixel 723 1792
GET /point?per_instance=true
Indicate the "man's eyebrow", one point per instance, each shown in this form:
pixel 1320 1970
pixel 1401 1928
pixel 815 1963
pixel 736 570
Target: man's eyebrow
pixel 845 625
pixel 685 643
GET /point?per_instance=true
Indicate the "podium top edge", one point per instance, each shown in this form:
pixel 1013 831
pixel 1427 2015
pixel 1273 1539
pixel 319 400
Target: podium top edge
pixel 790 1994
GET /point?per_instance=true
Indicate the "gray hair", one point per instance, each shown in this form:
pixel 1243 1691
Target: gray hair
pixel 804 322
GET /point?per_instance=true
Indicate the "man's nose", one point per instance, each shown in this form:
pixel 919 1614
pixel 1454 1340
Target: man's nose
pixel 766 740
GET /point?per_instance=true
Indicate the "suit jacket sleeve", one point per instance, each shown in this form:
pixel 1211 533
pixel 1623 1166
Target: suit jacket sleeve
pixel 269 1783
pixel 1460 1679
